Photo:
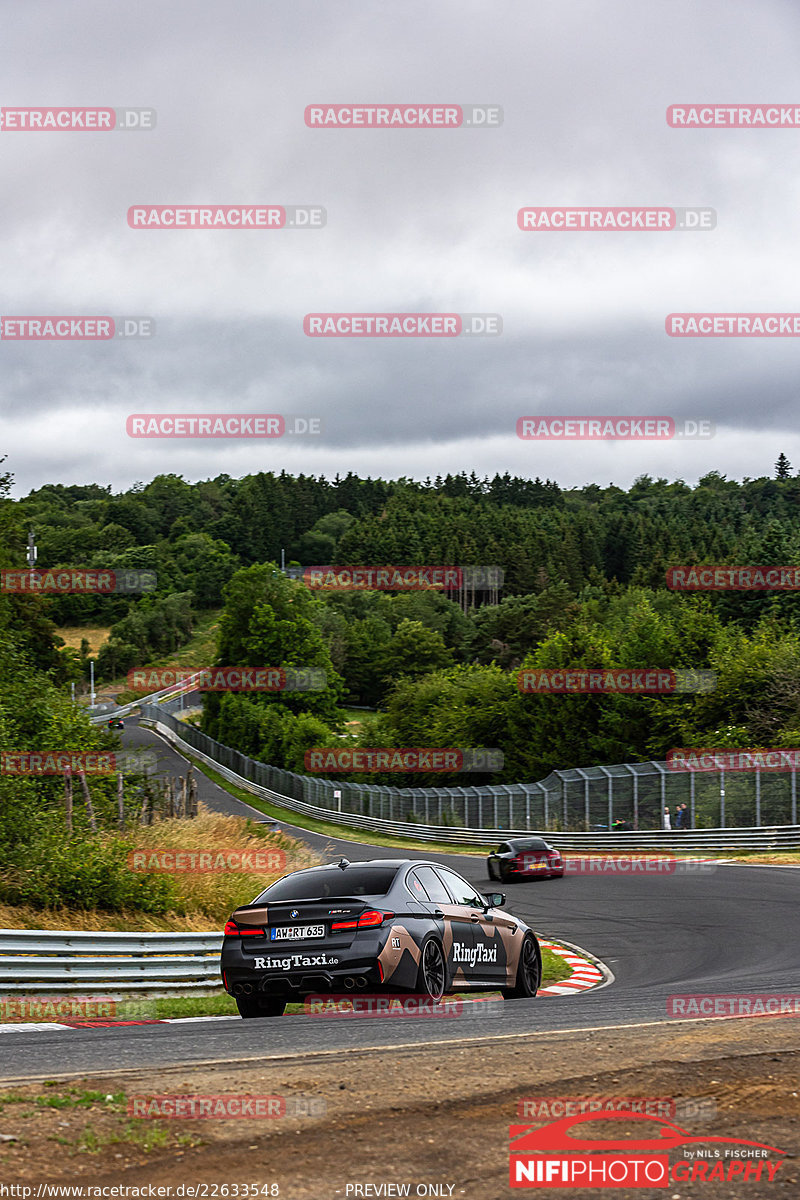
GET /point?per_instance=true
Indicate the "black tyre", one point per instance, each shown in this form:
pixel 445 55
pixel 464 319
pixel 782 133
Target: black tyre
pixel 261 1006
pixel 432 974
pixel 491 871
pixel 529 971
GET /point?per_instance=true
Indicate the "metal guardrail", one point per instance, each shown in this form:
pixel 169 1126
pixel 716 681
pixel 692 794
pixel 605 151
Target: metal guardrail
pixel 167 693
pixel 784 837
pixel 44 960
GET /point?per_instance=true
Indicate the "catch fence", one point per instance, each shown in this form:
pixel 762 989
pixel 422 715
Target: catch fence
pixel 621 798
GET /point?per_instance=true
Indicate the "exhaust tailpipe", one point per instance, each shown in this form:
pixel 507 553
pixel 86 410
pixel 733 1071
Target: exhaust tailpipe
pixel 361 982
pixel 349 982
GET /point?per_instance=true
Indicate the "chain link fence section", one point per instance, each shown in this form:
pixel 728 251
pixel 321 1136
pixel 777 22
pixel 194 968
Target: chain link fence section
pixel 623 797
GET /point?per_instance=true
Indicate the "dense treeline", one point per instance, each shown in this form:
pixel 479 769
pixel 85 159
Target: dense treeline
pixel 196 534
pixel 40 862
pixel 443 679
pixel 584 586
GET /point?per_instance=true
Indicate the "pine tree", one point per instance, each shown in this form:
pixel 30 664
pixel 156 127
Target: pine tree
pixel 783 467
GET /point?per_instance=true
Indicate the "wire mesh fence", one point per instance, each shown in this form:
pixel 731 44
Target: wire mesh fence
pixel 579 799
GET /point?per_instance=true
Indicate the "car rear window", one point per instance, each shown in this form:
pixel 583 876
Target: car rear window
pixel 331 884
pixel 531 844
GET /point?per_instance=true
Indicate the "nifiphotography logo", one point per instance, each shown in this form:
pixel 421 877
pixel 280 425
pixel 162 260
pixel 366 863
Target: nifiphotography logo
pixel 561 1155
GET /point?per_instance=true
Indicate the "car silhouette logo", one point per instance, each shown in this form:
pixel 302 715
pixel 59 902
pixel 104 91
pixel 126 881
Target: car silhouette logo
pixel 556 1136
pixel 294 913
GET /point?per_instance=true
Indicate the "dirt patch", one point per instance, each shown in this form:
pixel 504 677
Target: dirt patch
pixel 95 635
pixel 414 1115
pixel 777 859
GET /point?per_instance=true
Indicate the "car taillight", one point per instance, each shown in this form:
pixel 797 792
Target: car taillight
pixel 369 919
pixel 234 930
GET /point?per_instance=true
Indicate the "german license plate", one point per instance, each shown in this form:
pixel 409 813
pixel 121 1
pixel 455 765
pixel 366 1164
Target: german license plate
pixel 296 933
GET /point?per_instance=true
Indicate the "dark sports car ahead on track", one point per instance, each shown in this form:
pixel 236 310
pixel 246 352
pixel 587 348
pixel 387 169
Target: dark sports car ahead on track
pixel 393 925
pixel 525 857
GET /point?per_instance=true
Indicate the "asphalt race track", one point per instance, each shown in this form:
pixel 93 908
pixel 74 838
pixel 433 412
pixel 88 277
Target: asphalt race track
pixel 730 930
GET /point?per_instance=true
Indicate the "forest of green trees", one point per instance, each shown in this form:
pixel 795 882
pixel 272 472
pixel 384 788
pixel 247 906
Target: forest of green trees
pixel 584 586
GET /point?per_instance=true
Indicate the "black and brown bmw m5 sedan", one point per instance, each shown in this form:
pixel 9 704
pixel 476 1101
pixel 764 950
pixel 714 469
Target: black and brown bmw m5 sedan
pixel 385 925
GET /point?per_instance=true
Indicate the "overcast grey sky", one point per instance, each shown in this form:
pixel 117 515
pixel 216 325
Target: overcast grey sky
pixel 417 220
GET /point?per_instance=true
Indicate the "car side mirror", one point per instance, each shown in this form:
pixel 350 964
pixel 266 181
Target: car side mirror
pixel 495 899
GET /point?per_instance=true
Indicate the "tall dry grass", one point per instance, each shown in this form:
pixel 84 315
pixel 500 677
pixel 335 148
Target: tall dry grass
pixel 203 900
pixel 215 894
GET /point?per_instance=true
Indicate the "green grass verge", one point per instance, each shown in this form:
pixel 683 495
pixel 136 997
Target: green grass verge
pixel 554 969
pixel 158 1008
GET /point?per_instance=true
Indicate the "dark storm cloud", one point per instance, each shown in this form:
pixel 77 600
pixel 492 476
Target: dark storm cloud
pixel 417 221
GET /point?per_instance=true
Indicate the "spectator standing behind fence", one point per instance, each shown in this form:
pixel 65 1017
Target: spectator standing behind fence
pixel 666 824
pixel 682 817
